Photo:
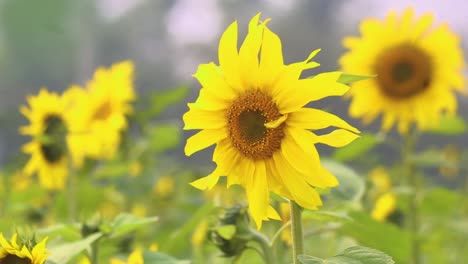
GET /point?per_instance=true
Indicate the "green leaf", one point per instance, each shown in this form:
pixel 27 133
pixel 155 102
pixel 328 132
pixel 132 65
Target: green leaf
pixel 164 136
pixel 352 255
pixel 125 223
pixel 351 185
pixel 357 148
pixel 350 78
pixel 226 231
pixel 431 158
pixel 65 252
pixel 379 235
pixel 160 258
pixel 325 216
pixel 163 99
pixel 450 125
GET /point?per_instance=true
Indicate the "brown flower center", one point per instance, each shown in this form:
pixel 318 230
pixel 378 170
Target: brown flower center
pixel 13 259
pixel 247 116
pixel 103 111
pixel 53 149
pixel 403 71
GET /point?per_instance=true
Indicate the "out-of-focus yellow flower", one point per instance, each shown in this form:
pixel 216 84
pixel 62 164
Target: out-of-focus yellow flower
pixel 384 206
pixel 84 260
pixel 154 247
pixel 136 257
pixel 139 209
pixel 451 155
pixel 380 179
pixel 100 111
pixel 20 181
pixel 285 212
pixel 49 118
pixel 12 252
pixel 252 107
pixel 199 235
pixel 418 69
pixel 164 187
pixel 135 168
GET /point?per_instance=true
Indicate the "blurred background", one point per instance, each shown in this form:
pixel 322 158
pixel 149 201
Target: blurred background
pixel 56 43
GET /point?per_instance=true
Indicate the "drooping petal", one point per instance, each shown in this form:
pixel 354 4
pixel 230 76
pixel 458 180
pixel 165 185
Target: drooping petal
pixel 204 139
pixel 207 183
pixel 338 138
pixel 257 193
pixel 310 118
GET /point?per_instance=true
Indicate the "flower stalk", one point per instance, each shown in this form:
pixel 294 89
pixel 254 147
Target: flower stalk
pixel 296 230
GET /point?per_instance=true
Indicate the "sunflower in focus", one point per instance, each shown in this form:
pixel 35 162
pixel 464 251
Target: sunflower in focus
pixel 418 69
pixel 47 114
pixel 12 252
pixel 252 107
pixel 99 114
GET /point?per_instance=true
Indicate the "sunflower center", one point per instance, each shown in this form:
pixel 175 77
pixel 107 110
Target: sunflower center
pixel 103 111
pixel 53 148
pixel 403 71
pixel 13 259
pixel 247 116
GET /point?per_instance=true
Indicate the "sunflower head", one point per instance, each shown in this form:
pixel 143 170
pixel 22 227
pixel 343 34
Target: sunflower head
pixel 99 112
pixel 14 252
pixel 252 106
pixel 418 67
pixel 49 121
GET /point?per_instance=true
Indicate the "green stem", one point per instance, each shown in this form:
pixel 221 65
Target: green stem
pixel 411 177
pixel 262 240
pixel 95 252
pixel 296 230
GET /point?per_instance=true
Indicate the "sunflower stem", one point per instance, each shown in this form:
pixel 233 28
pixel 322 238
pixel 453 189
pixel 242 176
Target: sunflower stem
pixel 262 240
pixel 296 230
pixel 410 175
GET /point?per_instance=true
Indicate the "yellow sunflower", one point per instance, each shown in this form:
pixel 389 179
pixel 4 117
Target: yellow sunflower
pixel 47 114
pixel 12 252
pixel 384 206
pixel 100 111
pixel 252 108
pixel 418 68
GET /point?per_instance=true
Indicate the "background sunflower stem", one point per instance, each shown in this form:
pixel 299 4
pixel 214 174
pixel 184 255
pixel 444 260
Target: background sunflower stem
pixel 296 230
pixel 95 252
pixel 262 240
pixel 71 196
pixel 413 206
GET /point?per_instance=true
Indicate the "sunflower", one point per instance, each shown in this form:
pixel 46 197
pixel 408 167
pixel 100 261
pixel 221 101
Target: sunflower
pixel 12 252
pixel 418 69
pixel 100 111
pixel 252 108
pixel 48 127
pixel 384 206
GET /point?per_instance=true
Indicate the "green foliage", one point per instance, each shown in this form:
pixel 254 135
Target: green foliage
pixel 125 223
pixel 357 148
pixel 352 255
pixel 450 125
pixel 379 235
pixel 164 136
pixel 163 99
pixel 350 78
pixel 351 186
pixel 160 258
pixel 65 252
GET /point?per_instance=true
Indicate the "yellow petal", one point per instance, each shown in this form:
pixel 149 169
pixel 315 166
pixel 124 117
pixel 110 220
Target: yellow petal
pixel 272 214
pixel 197 118
pixel 211 78
pixel 257 192
pixel 309 118
pixel 204 139
pixel 276 123
pixel 229 57
pixel 271 58
pixel 248 53
pixel 206 183
pixel 295 96
pixel 338 138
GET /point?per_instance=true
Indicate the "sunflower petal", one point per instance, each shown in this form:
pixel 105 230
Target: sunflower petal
pixel 210 77
pixel 228 56
pixel 204 139
pixel 257 193
pixel 310 118
pixel 338 138
pixel 208 182
pixel 197 118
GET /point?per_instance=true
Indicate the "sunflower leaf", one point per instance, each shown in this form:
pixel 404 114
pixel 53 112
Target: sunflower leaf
pixel 125 223
pixel 157 257
pixel 352 255
pixel 351 78
pixel 449 125
pixel 65 252
pixel 357 148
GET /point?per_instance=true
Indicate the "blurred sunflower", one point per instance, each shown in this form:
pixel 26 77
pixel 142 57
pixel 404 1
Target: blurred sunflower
pixel 252 108
pixel 100 111
pixel 12 252
pixel 418 69
pixel 384 206
pixel 48 126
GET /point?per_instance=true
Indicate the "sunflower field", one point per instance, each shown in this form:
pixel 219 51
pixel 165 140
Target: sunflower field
pixel 217 131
